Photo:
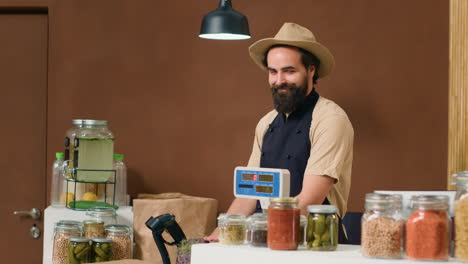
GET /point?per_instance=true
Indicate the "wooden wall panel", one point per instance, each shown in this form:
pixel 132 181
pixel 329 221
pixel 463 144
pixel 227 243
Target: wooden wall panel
pixel 184 109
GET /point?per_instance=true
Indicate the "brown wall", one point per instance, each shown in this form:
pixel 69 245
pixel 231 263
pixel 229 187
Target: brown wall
pixel 184 109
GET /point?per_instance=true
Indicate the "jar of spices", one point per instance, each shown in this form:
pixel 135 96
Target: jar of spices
pixel 102 250
pixel 259 232
pixel 322 227
pixel 427 228
pixel 283 223
pixel 121 241
pixel 98 218
pixel 79 250
pixel 302 230
pixel 461 217
pixel 231 229
pixel 62 232
pixel 249 224
pixel 382 226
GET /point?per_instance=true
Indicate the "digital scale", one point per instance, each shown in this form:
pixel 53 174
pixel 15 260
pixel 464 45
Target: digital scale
pixel 261 183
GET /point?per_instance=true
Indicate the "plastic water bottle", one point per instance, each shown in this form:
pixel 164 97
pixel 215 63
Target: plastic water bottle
pixel 121 197
pixel 58 181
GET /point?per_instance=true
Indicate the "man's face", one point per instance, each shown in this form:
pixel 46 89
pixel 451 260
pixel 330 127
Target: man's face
pixel 288 78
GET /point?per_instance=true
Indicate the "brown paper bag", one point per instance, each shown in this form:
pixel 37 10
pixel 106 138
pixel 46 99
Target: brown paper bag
pixel 195 215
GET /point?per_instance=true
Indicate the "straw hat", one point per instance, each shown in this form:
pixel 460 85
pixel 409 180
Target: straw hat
pixel 294 35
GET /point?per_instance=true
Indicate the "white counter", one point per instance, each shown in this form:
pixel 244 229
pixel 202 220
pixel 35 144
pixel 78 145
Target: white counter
pixel 53 215
pixel 215 253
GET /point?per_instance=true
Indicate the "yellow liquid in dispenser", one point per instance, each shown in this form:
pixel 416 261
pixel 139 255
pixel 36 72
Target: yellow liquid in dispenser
pixel 95 154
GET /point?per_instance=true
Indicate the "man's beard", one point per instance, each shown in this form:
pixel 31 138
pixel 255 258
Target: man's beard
pixel 289 101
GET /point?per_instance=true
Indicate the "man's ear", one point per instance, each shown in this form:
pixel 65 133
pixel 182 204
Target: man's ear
pixel 311 69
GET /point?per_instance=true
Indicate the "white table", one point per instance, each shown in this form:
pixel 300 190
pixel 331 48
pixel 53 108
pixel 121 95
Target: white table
pixel 53 215
pixel 215 253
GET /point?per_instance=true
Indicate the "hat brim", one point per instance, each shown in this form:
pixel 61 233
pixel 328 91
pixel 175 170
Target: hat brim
pixel 327 62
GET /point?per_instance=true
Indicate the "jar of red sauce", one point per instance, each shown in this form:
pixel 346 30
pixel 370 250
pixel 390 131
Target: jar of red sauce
pixel 283 223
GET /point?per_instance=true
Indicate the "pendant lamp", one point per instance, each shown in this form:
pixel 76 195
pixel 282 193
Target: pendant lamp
pixel 224 23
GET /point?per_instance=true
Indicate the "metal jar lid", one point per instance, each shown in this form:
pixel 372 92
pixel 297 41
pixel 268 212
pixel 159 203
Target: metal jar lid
pixel 101 240
pixel 101 212
pixel 287 200
pixel 94 122
pixel 322 209
pixel 79 239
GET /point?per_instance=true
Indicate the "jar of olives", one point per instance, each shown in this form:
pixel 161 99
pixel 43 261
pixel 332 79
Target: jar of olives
pixel 322 227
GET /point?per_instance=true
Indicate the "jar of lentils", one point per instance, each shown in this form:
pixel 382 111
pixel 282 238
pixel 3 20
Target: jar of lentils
pixel 382 226
pixel 121 241
pixel 62 232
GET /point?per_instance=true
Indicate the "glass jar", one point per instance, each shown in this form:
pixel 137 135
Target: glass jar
pixel 259 232
pixel 102 250
pixel 108 215
pixel 121 241
pixel 70 136
pixel 427 228
pixel 382 226
pixel 249 225
pixel 322 227
pixel 93 152
pixel 302 230
pixel 231 229
pixel 93 228
pixel 62 232
pixel 461 217
pixel 283 223
pixel 79 250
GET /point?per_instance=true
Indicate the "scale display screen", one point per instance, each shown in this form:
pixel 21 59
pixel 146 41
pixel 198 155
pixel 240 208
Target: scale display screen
pixel 252 182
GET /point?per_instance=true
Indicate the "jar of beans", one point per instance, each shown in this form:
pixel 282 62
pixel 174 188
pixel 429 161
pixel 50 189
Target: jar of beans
pixel 461 217
pixel 231 229
pixel 322 227
pixel 382 226
pixel 283 223
pixel 62 232
pixel 428 228
pixel 121 241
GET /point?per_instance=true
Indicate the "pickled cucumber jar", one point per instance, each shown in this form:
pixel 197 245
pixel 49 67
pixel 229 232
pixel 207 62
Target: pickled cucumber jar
pixel 382 226
pixel 322 227
pixel 231 229
pixel 121 241
pixel 259 232
pixel 428 228
pixel 79 250
pixel 62 232
pixel 102 250
pixel 283 223
pixel 94 152
pixel 461 217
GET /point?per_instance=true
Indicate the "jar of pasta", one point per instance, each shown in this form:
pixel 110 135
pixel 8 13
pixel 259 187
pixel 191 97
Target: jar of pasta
pixel 283 223
pixel 322 227
pixel 428 228
pixel 231 229
pixel 382 226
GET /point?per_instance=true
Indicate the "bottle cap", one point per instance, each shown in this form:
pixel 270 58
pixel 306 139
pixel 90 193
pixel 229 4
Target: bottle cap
pixel 59 155
pixel 118 156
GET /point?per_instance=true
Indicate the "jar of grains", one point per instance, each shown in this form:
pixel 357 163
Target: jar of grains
pixel 231 229
pixel 428 228
pixel 322 227
pixel 283 223
pixel 382 226
pixel 62 232
pixel 461 217
pixel 79 250
pixel 121 241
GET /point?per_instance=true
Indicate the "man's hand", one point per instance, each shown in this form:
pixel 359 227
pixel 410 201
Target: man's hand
pixel 314 190
pixel 213 237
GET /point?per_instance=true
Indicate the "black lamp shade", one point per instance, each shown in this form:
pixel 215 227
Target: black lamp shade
pixel 225 23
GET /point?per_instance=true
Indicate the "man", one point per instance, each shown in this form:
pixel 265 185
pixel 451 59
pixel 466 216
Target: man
pixel 307 134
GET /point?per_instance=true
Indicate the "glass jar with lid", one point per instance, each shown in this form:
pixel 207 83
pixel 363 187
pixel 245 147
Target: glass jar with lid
pixel 94 150
pixel 283 223
pixel 231 229
pixel 382 226
pixel 102 250
pixel 70 136
pixel 259 231
pixel 428 228
pixel 249 225
pixel 98 217
pixel 322 227
pixel 461 217
pixel 121 241
pixel 62 232
pixel 79 250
